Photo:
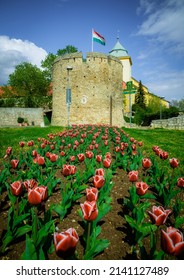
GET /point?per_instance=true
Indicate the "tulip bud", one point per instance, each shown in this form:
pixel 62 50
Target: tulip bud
pixel 133 176
pixel 65 242
pixel 174 162
pixel 90 211
pixel 16 188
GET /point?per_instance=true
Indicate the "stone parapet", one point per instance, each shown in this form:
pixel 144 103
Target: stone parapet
pixel 171 123
pixel 9 116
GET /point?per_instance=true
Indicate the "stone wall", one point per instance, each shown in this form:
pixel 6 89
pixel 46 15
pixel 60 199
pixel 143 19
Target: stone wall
pixel 93 81
pixel 172 123
pixel 8 116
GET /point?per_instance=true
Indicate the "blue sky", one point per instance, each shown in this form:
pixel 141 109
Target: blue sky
pixel 151 30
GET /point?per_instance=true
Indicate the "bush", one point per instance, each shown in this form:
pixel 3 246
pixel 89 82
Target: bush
pixel 20 120
pixel 144 117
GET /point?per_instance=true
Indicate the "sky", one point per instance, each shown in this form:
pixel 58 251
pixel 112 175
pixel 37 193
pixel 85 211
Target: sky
pixel 150 30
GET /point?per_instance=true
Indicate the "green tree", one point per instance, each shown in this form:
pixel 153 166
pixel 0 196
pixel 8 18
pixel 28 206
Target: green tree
pixel 178 104
pixel 140 97
pixel 49 60
pixel 30 82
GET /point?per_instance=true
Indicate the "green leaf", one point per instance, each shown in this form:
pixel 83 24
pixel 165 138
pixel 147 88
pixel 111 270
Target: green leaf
pixel 6 241
pixel 30 250
pixel 179 221
pixel 149 196
pixel 19 219
pixel 44 231
pixel 22 230
pixel 60 210
pixel 98 247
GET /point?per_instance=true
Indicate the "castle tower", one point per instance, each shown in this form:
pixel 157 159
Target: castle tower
pixel 96 89
pixel 122 54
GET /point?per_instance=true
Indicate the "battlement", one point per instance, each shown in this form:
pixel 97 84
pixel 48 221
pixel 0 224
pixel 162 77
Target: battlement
pixel 91 57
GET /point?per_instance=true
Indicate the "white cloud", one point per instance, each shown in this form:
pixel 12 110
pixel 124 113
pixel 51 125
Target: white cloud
pixel 14 51
pixel 164 22
pixel 166 83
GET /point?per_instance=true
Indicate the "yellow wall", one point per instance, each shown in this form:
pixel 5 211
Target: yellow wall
pixel 148 97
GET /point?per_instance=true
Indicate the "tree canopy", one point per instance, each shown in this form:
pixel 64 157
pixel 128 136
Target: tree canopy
pixel 30 82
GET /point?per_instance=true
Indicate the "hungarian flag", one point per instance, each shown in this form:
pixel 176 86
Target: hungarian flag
pixel 98 38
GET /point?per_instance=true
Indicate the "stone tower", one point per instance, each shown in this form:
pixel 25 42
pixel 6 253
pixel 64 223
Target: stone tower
pixel 96 89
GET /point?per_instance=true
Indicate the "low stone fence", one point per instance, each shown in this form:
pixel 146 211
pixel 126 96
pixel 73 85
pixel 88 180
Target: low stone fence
pixel 9 116
pixel 172 123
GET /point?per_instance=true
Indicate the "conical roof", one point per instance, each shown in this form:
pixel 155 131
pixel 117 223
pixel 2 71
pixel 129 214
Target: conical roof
pixel 118 50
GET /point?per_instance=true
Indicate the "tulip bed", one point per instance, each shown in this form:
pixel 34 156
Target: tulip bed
pixel 89 193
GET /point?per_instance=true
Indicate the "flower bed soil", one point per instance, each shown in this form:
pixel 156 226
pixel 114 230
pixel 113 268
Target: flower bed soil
pixel 113 225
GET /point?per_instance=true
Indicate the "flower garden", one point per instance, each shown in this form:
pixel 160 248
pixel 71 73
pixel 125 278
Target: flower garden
pixel 90 193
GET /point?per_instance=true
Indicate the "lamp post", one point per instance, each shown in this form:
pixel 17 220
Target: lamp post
pixel 161 98
pixel 68 94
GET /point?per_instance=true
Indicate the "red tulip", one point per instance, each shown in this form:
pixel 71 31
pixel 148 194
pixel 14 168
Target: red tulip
pixel 91 194
pixel 180 182
pixel 81 157
pixel 164 155
pixel 140 143
pixel 100 171
pixel 72 158
pixel 90 211
pixel 89 154
pixel 73 169
pixel 21 144
pixel 172 241
pixel 108 155
pixel 159 215
pixel 62 153
pixel 68 169
pixel 52 147
pixel 107 162
pixel 133 176
pixel 9 151
pixel 30 143
pixel 65 242
pixel 40 160
pixel 31 183
pixel 98 158
pixel 174 162
pixel 37 195
pixel 16 188
pixel 133 147
pixel 14 163
pixel 117 149
pixel 34 153
pixel 98 181
pixel 141 188
pixel 53 157
pixel 43 145
pixel 146 163
pixel 96 146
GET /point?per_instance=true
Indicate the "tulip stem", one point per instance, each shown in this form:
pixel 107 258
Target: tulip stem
pixel 88 236
pixel 17 206
pixel 35 223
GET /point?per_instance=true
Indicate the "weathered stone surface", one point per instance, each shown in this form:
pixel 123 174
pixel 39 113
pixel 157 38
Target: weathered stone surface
pixel 92 82
pixel 8 116
pixel 171 123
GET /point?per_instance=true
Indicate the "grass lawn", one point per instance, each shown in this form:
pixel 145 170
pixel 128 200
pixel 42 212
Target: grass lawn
pixel 168 140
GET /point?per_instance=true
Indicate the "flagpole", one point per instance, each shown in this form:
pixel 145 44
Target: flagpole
pixel 92 41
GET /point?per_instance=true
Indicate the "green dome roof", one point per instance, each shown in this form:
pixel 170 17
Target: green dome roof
pixel 118 50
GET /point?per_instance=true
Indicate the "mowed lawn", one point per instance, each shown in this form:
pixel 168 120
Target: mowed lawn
pixel 171 141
